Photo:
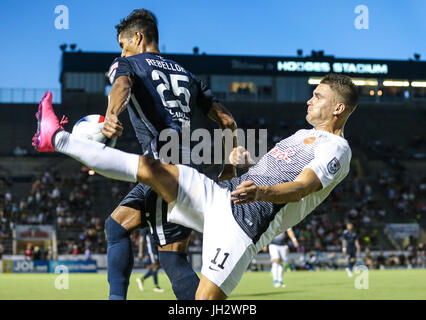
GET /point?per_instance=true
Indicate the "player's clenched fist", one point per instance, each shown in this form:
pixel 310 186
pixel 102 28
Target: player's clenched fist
pixel 112 127
pixel 246 192
pixel 240 158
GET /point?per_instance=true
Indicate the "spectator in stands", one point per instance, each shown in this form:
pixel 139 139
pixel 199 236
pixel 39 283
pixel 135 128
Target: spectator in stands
pixel 369 260
pixel 381 261
pixel 393 260
pixel 421 256
pixel 402 259
pixel 37 253
pixel 87 253
pixel 3 231
pixel 1 251
pixel 29 251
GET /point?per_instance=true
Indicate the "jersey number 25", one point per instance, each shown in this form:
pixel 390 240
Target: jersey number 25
pixel 176 90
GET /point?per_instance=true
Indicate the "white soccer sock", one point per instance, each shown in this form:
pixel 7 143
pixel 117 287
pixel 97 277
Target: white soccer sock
pixel 274 268
pixel 109 162
pixel 280 272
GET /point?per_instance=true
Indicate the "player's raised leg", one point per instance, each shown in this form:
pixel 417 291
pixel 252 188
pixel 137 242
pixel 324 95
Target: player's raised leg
pixel 163 178
pixel 111 163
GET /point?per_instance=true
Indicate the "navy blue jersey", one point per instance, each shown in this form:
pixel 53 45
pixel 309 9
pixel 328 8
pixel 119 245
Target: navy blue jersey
pixel 280 240
pixel 350 238
pixel 164 96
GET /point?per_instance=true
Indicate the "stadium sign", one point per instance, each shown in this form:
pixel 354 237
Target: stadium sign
pixel 303 66
pixel 338 67
pixel 29 266
pixel 33 233
pixel 403 230
pixel 360 68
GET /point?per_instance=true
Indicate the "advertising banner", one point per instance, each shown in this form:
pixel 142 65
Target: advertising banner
pixel 74 266
pixel 403 230
pixel 29 266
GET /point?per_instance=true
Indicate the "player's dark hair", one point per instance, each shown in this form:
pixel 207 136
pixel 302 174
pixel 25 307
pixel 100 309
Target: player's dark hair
pixel 140 20
pixel 344 87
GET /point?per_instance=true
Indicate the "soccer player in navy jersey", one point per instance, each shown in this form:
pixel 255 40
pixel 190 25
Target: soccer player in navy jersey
pixel 350 247
pixel 239 216
pixel 278 250
pixel 159 94
pixel 153 264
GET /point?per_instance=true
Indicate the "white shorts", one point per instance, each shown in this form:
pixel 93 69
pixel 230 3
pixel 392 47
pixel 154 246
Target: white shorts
pixel 204 206
pixel 278 252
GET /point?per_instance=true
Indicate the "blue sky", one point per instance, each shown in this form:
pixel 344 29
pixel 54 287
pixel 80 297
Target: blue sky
pixel 30 55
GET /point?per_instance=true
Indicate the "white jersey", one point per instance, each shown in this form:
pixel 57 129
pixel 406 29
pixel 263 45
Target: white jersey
pixel 327 154
pixel 234 234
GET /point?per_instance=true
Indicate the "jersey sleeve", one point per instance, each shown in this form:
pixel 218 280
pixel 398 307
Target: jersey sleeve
pixel 120 67
pixel 330 162
pixel 205 97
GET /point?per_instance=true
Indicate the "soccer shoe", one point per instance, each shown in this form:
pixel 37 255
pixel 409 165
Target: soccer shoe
pixel 277 284
pixel 283 285
pixel 140 284
pixel 158 289
pixel 47 125
pixel 350 274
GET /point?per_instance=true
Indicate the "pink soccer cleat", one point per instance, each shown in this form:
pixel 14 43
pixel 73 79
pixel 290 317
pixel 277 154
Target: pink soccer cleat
pixel 47 125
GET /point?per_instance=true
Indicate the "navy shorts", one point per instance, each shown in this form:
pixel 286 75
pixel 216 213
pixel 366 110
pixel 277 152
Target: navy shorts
pixel 154 213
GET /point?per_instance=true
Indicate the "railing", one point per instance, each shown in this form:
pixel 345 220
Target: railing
pixel 27 95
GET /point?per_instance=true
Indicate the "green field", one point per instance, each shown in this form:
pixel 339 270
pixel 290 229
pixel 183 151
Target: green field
pixel 383 284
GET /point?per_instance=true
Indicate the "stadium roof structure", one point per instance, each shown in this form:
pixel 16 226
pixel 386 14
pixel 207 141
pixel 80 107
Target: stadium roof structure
pixel 260 65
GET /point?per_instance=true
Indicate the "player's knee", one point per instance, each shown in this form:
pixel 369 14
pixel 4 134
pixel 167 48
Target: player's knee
pixel 182 277
pixel 114 231
pixel 208 294
pixel 207 290
pixel 148 166
pixel 203 294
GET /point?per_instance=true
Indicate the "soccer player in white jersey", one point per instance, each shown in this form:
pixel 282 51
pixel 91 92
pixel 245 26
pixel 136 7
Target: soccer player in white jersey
pixel 278 250
pixel 238 217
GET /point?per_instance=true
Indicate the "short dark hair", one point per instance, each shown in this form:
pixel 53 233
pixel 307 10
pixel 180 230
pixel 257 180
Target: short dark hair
pixel 344 87
pixel 140 20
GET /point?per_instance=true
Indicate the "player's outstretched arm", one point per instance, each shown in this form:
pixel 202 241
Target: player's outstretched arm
pixel 293 238
pixel 118 99
pixel 219 114
pixel 306 183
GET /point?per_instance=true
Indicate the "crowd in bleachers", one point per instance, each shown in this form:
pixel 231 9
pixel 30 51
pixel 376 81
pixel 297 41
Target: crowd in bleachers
pixel 412 257
pixel 63 200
